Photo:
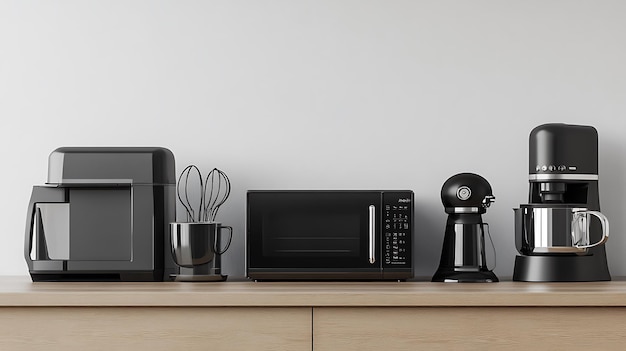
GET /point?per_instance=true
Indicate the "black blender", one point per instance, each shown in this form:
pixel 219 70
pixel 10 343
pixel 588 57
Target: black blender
pixel 465 197
pixel 560 233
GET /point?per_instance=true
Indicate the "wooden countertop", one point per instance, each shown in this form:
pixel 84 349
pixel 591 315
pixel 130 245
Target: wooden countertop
pixel 20 291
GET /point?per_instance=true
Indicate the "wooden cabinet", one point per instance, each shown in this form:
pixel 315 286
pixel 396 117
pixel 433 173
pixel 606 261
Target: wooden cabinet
pixel 469 328
pixel 154 328
pixel 318 316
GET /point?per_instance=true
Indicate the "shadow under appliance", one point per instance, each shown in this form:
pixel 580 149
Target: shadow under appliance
pixel 103 215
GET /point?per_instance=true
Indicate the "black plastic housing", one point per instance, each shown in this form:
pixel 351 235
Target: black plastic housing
pixel 117 205
pixel 558 148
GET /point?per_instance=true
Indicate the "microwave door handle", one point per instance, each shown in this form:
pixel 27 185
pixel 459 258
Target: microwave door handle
pixel 372 232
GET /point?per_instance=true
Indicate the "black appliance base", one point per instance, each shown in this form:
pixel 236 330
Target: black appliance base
pixel 465 277
pixel 560 269
pixel 151 276
pixel 328 276
pixel 198 277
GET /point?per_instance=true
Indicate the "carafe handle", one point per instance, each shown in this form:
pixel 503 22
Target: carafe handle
pixel 493 247
pixel 603 221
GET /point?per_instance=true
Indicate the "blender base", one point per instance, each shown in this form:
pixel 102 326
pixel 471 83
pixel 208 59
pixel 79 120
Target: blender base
pixel 198 277
pixel 465 277
pixel 561 268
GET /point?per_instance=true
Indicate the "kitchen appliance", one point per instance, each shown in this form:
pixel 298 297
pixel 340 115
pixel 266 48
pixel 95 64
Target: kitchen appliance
pixel 465 197
pixel 329 235
pixel 561 233
pixel 195 248
pixel 195 243
pixel 103 215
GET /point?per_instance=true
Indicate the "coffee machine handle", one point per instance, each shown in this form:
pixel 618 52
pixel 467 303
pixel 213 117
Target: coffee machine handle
pixel 40 194
pixel 605 228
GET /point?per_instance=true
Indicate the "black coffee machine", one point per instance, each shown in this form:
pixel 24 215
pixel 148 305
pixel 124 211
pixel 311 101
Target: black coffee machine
pixel 103 215
pixel 465 197
pixel 556 234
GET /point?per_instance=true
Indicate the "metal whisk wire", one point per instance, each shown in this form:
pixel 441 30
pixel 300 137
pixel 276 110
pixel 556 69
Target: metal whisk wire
pixel 216 197
pixel 218 185
pixel 189 207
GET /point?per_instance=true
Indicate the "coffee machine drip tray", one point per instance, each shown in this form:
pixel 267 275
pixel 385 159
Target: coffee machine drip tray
pixel 560 269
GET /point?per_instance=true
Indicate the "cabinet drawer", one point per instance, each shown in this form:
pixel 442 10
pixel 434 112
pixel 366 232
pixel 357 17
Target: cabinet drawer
pixel 154 328
pixel 469 328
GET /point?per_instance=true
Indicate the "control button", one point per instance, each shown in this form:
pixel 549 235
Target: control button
pixel 551 168
pixel 387 207
pixel 538 168
pixel 463 193
pixel 562 168
pixel 544 168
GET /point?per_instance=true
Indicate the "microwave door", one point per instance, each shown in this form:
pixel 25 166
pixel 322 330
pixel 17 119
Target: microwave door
pixel 320 231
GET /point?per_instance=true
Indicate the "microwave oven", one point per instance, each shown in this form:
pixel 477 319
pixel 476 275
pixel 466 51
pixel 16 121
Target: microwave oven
pixel 329 235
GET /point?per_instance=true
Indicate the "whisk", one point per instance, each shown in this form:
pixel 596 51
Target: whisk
pixel 216 183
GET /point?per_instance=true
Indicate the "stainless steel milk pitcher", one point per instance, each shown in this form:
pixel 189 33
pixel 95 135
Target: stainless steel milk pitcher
pixel 556 229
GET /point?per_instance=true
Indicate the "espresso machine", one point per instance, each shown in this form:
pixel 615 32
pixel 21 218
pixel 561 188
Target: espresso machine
pixel 560 233
pixel 102 215
pixel 465 197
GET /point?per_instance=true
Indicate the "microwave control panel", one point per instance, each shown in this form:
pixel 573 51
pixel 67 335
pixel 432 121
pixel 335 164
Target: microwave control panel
pixel 397 229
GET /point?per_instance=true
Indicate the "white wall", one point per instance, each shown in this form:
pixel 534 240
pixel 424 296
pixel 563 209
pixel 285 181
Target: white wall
pixel 315 94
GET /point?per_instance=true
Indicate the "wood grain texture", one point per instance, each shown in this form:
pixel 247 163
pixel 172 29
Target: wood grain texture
pixel 21 292
pixel 470 328
pixel 154 328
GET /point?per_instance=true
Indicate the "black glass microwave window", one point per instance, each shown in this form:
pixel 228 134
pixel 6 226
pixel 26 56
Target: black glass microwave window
pixel 312 229
pixel 301 234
